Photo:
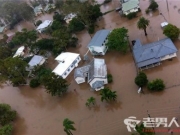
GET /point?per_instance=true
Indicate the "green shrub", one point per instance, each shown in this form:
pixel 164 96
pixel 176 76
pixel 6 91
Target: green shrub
pixel 153 6
pixel 131 15
pixel 91 29
pixel 147 11
pixel 34 83
pixel 110 78
pixel 141 79
pixel 38 22
pixel 156 85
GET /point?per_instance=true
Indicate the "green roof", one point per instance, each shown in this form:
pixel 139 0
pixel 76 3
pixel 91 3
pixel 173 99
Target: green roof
pixel 130 5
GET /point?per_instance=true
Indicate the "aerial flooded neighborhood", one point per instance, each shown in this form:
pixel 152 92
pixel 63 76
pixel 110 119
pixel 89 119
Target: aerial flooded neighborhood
pixel 89 67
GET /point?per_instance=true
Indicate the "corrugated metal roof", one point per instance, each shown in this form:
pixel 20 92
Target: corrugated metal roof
pixel 97 84
pixel 131 4
pixel 36 59
pixel 99 38
pixel 151 53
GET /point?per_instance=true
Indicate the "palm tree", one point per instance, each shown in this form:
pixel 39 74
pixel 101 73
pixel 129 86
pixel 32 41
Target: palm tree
pixel 108 95
pixel 142 24
pixel 90 101
pixel 68 126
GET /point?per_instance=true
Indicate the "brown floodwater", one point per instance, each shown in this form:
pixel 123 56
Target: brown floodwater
pixel 41 114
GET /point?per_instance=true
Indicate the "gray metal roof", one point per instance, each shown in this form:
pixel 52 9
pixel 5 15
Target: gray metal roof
pixel 151 53
pixel 99 38
pixel 96 68
pixel 36 59
pixel 80 72
pixel 97 84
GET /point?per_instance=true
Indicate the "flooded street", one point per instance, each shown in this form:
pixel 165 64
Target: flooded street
pixel 41 114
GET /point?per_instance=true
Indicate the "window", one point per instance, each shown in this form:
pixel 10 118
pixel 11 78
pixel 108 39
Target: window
pixel 72 65
pixel 68 69
pixel 65 73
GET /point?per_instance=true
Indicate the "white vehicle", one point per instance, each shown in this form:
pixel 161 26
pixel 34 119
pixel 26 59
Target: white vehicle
pixel 163 24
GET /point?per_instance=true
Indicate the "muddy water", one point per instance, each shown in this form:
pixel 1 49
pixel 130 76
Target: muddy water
pixel 41 114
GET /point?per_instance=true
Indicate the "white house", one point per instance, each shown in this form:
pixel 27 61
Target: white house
pixel 95 72
pixel 130 6
pixel 35 61
pixel 97 45
pixel 19 52
pixel 38 10
pixel 69 17
pixel 67 62
pixel 44 25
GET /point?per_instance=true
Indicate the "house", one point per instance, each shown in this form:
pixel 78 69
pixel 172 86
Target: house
pixel 130 6
pixel 35 61
pixel 69 17
pixel 97 45
pixel 152 54
pixel 95 72
pixel 48 7
pixel 67 62
pixel 44 25
pixel 19 52
pixel 38 10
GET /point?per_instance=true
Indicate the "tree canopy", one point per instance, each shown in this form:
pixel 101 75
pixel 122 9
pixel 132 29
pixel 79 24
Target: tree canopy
pixel 5 52
pixel 142 24
pixel 108 95
pixel 55 85
pixel 141 79
pixel 68 126
pixel 75 25
pixel 171 31
pixel 118 40
pixel 156 85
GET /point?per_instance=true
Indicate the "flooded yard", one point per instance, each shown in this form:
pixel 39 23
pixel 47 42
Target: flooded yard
pixel 41 114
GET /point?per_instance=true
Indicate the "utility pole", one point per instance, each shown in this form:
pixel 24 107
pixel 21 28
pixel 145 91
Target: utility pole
pixel 151 121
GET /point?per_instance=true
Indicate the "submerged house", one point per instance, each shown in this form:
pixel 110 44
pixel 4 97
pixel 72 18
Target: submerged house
pixel 44 25
pixel 152 54
pixel 97 45
pixel 67 62
pixel 35 61
pixel 95 73
pixel 38 10
pixel 130 6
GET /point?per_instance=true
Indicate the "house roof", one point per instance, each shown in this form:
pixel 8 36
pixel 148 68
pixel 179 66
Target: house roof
pixel 97 84
pixel 130 5
pixel 19 51
pixel 99 38
pixel 65 59
pixel 96 68
pixel 49 6
pixel 43 25
pixel 36 59
pixel 152 52
pixel 80 72
pixel 2 29
pixel 37 9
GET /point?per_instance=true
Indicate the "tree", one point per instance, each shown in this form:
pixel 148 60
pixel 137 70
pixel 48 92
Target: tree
pixel 38 22
pixel 68 126
pixel 117 40
pixel 6 130
pixel 7 115
pixel 141 79
pixel 90 101
pixel 153 5
pixel 14 70
pixel 142 24
pixel 55 85
pixel 141 130
pixel 156 85
pixel 108 95
pixel 34 83
pixel 171 31
pixel 110 78
pixel 75 25
pixel 5 52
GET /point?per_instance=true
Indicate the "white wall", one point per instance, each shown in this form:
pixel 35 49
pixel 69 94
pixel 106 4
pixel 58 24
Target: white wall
pixel 80 80
pixel 169 56
pixel 132 10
